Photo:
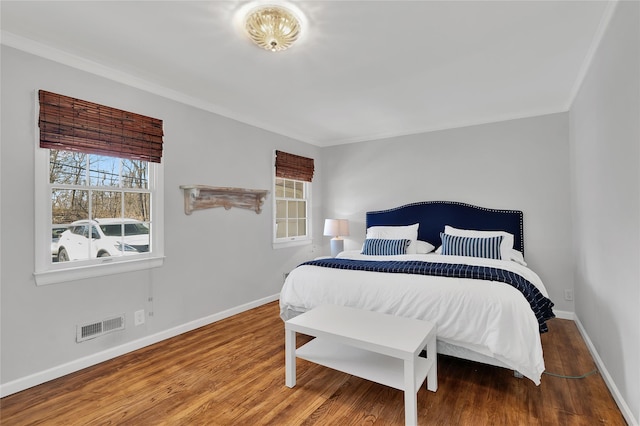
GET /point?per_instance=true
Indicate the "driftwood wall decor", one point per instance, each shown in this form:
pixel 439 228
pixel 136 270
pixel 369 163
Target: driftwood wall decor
pixel 197 197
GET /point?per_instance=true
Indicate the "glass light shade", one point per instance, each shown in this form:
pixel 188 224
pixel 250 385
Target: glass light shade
pixel 272 27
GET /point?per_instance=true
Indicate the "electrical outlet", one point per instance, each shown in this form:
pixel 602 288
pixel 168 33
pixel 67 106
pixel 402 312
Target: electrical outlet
pixel 568 294
pixel 138 317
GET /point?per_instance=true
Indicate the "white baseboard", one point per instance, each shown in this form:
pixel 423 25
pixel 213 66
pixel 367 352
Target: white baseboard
pixel 602 369
pixel 565 315
pixel 76 365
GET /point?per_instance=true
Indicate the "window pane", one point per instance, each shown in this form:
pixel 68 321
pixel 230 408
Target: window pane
pixel 137 206
pixel 138 236
pixel 104 171
pixel 106 204
pixel 302 209
pixel 56 232
pixel 281 228
pixel 292 209
pixel 281 209
pixel 279 188
pixel 91 236
pixel 135 174
pixel 289 188
pixel 292 228
pixel 299 189
pixel 302 227
pixel 68 205
pixel 106 244
pixel 66 167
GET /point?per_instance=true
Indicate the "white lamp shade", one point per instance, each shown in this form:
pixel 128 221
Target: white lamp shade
pixel 336 227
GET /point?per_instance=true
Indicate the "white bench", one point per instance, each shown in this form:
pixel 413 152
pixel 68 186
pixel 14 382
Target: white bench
pixel 378 347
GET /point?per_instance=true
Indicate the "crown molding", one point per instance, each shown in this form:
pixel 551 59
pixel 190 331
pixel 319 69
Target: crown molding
pixel 92 67
pixel 595 44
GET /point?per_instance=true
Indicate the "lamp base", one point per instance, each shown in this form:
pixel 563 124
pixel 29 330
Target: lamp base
pixel 337 245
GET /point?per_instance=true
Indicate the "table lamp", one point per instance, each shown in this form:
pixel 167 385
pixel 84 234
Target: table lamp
pixel 336 228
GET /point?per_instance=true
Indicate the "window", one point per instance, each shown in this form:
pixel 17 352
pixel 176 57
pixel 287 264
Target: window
pixel 292 189
pixel 291 210
pixel 103 202
pixel 98 191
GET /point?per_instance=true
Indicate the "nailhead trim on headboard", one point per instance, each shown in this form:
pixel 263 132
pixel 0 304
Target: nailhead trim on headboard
pixel 436 225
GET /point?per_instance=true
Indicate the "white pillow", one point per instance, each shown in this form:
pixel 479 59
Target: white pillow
pixel 517 257
pixel 423 247
pixel 409 232
pixel 505 247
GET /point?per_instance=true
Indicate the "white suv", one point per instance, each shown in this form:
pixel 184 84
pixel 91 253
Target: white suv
pixel 86 239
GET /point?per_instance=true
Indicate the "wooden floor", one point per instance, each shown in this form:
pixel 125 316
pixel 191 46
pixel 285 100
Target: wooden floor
pixel 232 373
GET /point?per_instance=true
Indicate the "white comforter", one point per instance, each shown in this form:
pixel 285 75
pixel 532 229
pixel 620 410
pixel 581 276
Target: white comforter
pixel 491 318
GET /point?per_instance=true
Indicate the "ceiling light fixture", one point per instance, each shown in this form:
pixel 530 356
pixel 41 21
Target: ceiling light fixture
pixel 272 27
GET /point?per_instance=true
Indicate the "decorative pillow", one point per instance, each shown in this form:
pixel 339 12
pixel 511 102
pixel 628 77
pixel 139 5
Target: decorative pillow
pixel 505 247
pixel 409 232
pixel 380 247
pixel 423 247
pixel 467 246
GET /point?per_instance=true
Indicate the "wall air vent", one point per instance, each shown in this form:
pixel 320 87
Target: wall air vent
pixel 100 328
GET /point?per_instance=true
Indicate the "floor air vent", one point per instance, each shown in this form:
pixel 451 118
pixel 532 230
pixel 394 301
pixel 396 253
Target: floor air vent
pixel 97 329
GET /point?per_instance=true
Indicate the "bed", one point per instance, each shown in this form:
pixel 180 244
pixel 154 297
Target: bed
pixel 454 264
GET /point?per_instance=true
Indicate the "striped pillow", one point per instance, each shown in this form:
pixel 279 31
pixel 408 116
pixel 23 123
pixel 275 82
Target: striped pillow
pixel 380 247
pixel 469 246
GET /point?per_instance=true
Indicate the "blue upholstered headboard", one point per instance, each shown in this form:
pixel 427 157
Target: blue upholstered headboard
pixel 434 215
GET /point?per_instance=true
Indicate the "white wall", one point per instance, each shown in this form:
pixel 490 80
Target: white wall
pixel 605 147
pixel 518 164
pixel 215 259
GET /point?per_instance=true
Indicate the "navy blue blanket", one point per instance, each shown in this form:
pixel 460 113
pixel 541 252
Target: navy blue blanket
pixel 540 305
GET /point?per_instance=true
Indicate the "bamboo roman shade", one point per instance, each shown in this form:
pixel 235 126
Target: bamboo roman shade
pixel 291 166
pixel 75 125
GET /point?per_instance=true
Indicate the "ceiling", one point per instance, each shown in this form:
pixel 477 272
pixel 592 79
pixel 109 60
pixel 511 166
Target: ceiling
pixel 363 70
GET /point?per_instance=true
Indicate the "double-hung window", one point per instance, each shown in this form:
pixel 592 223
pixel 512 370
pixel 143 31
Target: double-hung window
pixel 98 190
pixel 292 189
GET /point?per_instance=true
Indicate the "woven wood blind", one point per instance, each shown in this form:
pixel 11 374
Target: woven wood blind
pixel 293 166
pixel 75 125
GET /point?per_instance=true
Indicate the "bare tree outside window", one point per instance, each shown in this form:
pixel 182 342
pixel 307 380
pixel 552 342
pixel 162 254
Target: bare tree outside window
pixel 103 192
pixel 78 177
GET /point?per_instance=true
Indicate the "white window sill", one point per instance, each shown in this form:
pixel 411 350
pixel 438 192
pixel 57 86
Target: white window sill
pixel 294 243
pixel 91 271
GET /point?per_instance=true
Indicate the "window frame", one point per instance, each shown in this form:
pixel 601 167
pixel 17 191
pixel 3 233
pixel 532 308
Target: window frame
pixel 47 272
pixel 298 240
